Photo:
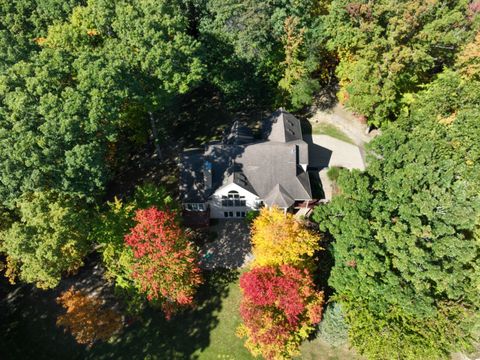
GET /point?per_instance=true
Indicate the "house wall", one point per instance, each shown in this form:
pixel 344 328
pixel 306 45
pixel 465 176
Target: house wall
pixel 215 201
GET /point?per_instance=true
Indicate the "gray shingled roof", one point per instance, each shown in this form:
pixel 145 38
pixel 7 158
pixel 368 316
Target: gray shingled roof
pixel 279 197
pixel 269 168
pixel 282 126
pixel 191 176
pixel 269 163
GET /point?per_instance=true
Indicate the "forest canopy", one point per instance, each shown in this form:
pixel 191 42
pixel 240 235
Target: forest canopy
pixel 91 89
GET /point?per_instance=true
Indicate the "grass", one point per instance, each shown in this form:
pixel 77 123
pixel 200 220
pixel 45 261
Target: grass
pixel 331 130
pixel 224 344
pixel 320 350
pixel 28 316
pixel 207 332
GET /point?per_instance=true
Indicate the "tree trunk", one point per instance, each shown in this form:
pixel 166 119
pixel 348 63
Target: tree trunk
pixel 155 136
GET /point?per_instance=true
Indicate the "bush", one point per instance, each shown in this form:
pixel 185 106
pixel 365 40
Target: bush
pixel 333 173
pixel 333 329
pixel 251 215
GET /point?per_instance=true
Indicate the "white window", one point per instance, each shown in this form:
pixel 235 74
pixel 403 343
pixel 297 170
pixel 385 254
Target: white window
pixel 195 207
pixel 233 199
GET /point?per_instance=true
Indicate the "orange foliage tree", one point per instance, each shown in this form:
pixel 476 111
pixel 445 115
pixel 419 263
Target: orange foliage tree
pixel 86 319
pixel 279 239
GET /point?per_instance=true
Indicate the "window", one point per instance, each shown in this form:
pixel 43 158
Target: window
pixel 225 214
pixel 233 199
pixel 238 214
pixel 195 207
pixel 243 213
pixel 230 213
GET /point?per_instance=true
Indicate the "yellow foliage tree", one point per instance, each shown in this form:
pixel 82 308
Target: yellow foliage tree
pixel 86 319
pixel 292 41
pixel 279 239
pixel 468 60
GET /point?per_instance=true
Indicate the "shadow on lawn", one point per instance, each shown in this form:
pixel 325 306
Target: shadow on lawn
pixel 179 338
pixel 28 316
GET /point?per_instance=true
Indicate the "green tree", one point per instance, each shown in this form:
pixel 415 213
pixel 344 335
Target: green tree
pixel 48 240
pixel 147 38
pixel 58 115
pixel 390 48
pixel 296 80
pixel 23 25
pixel 61 111
pixel 406 230
pixel 109 231
pixel 262 35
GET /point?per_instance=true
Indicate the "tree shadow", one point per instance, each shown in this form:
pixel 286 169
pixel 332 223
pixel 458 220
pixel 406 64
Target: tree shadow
pixel 318 156
pixel 231 248
pixel 326 98
pixel 28 326
pixel 182 337
pixel 325 261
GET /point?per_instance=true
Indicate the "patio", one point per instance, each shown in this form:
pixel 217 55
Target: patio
pixel 231 249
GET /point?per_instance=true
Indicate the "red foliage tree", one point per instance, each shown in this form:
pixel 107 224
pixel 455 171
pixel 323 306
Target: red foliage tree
pixel 165 262
pixel 280 306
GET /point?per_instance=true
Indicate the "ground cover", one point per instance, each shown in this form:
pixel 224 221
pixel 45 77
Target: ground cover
pixel 331 130
pixel 28 316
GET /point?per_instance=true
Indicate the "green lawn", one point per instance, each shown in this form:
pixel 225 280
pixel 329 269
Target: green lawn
pixel 207 332
pixel 27 324
pixel 330 130
pixel 224 344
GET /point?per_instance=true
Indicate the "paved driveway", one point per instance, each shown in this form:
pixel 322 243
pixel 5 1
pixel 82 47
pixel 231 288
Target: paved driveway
pixel 231 249
pixel 326 151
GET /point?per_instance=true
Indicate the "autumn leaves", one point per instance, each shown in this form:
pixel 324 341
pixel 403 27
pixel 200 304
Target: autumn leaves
pixel 280 305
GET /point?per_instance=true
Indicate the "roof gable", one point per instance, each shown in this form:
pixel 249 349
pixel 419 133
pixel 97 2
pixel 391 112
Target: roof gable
pixel 282 126
pixel 279 197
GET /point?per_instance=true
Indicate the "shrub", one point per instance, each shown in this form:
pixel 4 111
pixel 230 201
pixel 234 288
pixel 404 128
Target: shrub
pixel 251 215
pixel 333 329
pixel 333 173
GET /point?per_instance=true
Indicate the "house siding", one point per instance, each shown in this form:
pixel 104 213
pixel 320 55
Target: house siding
pixel 215 201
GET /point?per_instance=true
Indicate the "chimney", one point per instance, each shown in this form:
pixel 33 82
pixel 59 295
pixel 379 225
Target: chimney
pixel 207 174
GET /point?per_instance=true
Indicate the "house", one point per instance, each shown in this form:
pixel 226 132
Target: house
pixel 228 178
